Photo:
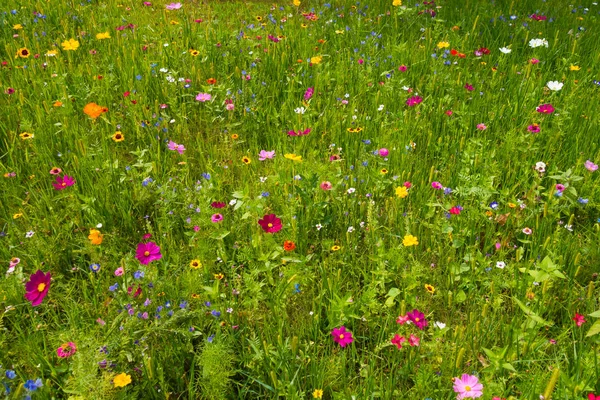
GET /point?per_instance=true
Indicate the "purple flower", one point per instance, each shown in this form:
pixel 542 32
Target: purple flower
pixel 308 94
pixel 148 252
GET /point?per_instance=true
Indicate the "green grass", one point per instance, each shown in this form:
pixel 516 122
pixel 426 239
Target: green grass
pixel 267 330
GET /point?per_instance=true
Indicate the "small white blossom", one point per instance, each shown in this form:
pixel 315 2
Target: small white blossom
pixel 533 43
pixel 500 264
pixel 350 229
pixel 300 110
pixel 439 325
pixel 555 85
pixel 505 50
pixel 233 202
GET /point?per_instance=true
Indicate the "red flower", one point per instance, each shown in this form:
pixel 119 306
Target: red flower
pixel 217 204
pixel 37 287
pixel 455 210
pixel 592 396
pixel 270 223
pixel 579 319
pixel 398 340
pixel 288 245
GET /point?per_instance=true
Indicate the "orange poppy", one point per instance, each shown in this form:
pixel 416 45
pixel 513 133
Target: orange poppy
pixel 211 81
pixel 93 110
pixel 288 245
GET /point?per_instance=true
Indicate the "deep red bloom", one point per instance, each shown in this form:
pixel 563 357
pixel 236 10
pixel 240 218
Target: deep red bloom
pixel 270 223
pixel 398 340
pixel 217 204
pixel 37 287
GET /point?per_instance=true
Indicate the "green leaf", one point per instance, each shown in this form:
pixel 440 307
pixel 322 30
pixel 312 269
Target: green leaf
pixel 594 330
pixel 389 302
pixel 461 296
pixel 220 234
pixel 595 314
pixel 509 367
pixel 531 314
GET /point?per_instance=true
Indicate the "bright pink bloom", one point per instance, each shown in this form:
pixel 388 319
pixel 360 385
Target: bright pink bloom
pixel 402 68
pixel 449 112
pixel 66 350
pixel 299 133
pixel 560 187
pixel 216 218
pixel 147 236
pixel 176 147
pixel 436 185
pixel 326 185
pixel 590 166
pixel 263 155
pixel 413 340
pixel 481 127
pixel 413 101
pixel 398 340
pixel 407 184
pixel 467 387
pixel 418 318
pixel 203 97
pixel 383 152
pixel 534 128
pixel 119 271
pixel 173 6
pixel 361 61
pixel 342 336
pixel 63 182
pixel 545 109
pixel 308 94
pixel 402 319
pixel 579 319
pixel 147 252
pixel 592 396
pixel 37 287
pixel 534 61
pixel 469 87
pixel 270 223
pixel 455 210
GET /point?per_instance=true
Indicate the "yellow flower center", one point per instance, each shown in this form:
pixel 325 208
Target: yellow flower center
pixel 468 388
pixel 146 253
pixel 417 319
pixel 63 184
pixel 41 287
pixel 342 336
pixel 270 225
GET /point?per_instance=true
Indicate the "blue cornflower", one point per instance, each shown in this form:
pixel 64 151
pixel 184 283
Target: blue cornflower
pixel 10 374
pixel 95 267
pixel 216 313
pixel 113 287
pixel 297 288
pixel 581 200
pixel 183 304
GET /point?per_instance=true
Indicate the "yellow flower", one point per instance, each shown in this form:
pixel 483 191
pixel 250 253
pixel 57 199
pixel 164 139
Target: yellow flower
pixel 384 171
pixel 104 35
pixel 118 136
pixel 19 215
pixel 335 248
pixel 195 264
pixel 219 276
pixel 122 380
pixel 23 52
pixel 443 45
pixel 70 44
pixel 317 394
pixel 339 32
pixel 293 157
pixel 296 3
pixel 397 3
pixel 173 22
pixel 235 136
pixel 246 160
pixel 410 240
pixel 51 53
pixel 401 192
pixel 512 205
pixel 429 288
pixel 316 59
pixel 57 103
pixel 17 27
pixel 26 135
pixel 96 238
pixel 574 67
pixel 194 53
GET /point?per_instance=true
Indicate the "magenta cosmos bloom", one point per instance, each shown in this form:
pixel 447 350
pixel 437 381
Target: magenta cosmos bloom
pixel 216 218
pixel 467 387
pixel 590 166
pixel 203 97
pixel 66 350
pixel 270 223
pixel 418 318
pixel 63 182
pixel 413 101
pixel 148 252
pixel 263 155
pixel 397 341
pixel 545 109
pixel 173 6
pixel 176 147
pixel 37 287
pixel 341 336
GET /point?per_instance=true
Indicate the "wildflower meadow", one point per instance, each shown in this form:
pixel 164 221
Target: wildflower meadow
pixel 384 199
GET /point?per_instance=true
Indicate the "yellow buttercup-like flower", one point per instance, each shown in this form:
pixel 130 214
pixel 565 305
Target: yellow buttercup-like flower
pixel 410 240
pixel 122 380
pixel 574 67
pixel 401 192
pixel 293 157
pixel 443 45
pixel 70 44
pixel 397 3
pixel 316 59
pixel 104 35
pixel 296 3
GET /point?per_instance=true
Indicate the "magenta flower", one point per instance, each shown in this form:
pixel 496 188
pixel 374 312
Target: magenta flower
pixel 119 271
pixel 383 152
pixel 402 319
pixel 413 101
pixel 579 319
pixel 263 155
pixel 299 133
pixel 203 97
pixel 534 61
pixel 63 182
pixel 534 128
pixel 218 204
pixel 481 127
pixel 216 218
pixel 469 87
pixel 402 68
pixel 147 252
pixel 418 318
pixel 545 109
pixel 66 350
pixel 308 94
pixel 37 287
pixel 173 6
pixel 398 340
pixel 270 223
pixel 413 340
pixel 590 166
pixel 341 336
pixel 326 185
pixel 436 185
pixel 467 387
pixel 176 147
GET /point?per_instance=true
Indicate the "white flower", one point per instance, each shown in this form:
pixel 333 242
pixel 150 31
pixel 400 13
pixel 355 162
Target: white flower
pixel 318 226
pixel 500 264
pixel 350 229
pixel 540 166
pixel 380 108
pixel 99 226
pixel 263 179
pixel 233 202
pixel 538 42
pixel 300 110
pixel 164 70
pixel 405 88
pixel 347 95
pixel 351 190
pixel 439 325
pixel 505 50
pixel 29 234
pixel 555 85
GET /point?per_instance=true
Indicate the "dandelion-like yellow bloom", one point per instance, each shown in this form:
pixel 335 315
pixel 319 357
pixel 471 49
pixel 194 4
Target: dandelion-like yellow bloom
pixel 70 44
pixel 410 240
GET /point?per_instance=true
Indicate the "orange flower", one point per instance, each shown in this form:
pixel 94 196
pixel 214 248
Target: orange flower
pixel 211 81
pixel 95 236
pixel 288 245
pixel 93 110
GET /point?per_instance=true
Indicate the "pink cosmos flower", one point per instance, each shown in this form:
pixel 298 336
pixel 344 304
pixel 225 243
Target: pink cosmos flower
pixel 413 340
pixel 398 340
pixel 147 236
pixel 176 147
pixel 119 271
pixel 413 101
pixel 533 128
pixel 527 231
pixel 326 185
pixel 592 396
pixel 270 223
pixel 402 68
pixel 173 6
pixel 545 109
pixel 449 112
pixel 534 61
pixel 402 319
pixel 469 87
pixel 436 185
pixel 455 210
pixel 62 182
pixel 579 319
pixel 361 61
pixel 341 336
pixel 418 318
pixel 263 155
pixel 37 287
pixel 147 252
pixel 66 350
pixel 203 97
pixel 467 387
pixel 407 184
pixel 481 127
pixel 216 218
pixel 308 94
pixel 299 133
pixel 147 4
pixel 383 152
pixel 590 166
pixel 560 187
